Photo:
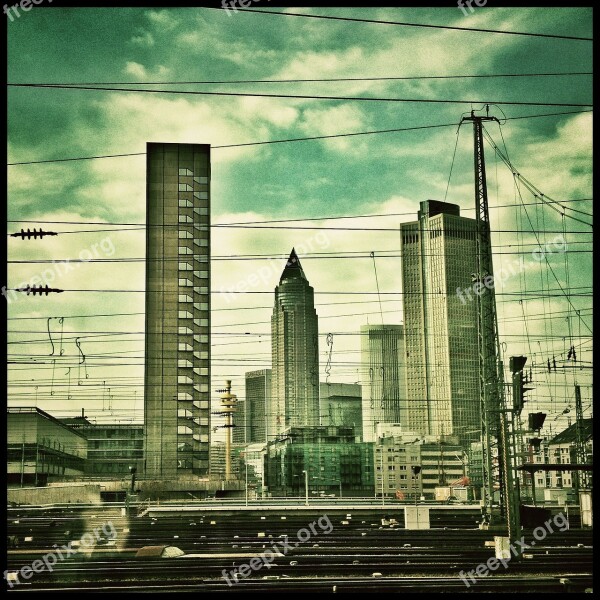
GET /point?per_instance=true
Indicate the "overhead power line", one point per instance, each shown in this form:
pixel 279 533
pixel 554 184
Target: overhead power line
pixel 294 96
pixel 403 23
pixel 320 80
pixel 131 291
pixel 291 140
pixel 331 218
pixel 339 256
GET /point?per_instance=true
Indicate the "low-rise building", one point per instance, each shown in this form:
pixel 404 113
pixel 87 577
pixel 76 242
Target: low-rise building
pixel 41 449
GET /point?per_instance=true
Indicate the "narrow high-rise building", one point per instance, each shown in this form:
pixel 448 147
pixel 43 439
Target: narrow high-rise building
pixel 439 258
pixel 382 358
pixel 256 404
pixel 177 353
pixel 295 353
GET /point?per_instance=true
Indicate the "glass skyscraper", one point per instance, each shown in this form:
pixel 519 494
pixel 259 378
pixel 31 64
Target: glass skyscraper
pixel 257 402
pixel 295 353
pixel 382 359
pixel 177 352
pixel 439 256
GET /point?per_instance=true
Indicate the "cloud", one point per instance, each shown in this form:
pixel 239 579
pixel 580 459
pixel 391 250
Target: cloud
pixel 162 20
pixel 144 39
pixel 135 69
pixel 329 121
pixel 140 72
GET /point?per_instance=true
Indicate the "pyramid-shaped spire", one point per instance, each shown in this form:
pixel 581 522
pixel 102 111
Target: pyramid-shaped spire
pixel 293 268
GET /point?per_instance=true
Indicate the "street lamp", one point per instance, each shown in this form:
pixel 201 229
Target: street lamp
pixel 305 486
pixel 129 492
pixel 381 471
pixel 246 465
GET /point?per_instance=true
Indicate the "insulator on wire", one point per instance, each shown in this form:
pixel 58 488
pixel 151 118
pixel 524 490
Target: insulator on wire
pixel 34 290
pixel 41 233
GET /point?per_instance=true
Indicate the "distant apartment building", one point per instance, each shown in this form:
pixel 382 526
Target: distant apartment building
pixel 394 460
pixel 439 258
pixel 410 465
pixel 177 350
pixel 294 397
pixel 561 485
pixel 383 374
pixel 442 464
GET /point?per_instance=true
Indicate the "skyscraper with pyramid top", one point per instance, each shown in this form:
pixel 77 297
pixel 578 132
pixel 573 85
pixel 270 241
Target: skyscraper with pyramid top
pixel 295 352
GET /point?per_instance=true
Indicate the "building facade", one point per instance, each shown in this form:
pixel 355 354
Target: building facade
pixel 177 349
pixel 383 374
pixel 442 464
pixel 563 485
pixel 412 465
pixel 341 406
pixel 217 460
pixel 257 401
pixel 113 448
pixel 394 460
pixel 439 256
pixel 238 432
pixel 295 352
pixel 334 463
pixel 41 449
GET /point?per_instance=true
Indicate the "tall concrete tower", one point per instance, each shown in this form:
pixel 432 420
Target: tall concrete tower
pixel 177 357
pixel 439 255
pixel 294 397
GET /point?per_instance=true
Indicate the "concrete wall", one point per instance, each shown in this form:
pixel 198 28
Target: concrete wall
pixel 75 494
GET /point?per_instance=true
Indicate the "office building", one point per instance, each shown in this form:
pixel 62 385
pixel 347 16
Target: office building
pixel 238 433
pixel 257 401
pixel 295 352
pixel 383 373
pixel 341 406
pixel 439 256
pixel 319 461
pixel 41 449
pixel 177 358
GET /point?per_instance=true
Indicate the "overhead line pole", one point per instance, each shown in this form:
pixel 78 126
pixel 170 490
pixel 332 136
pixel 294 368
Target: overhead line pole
pixel 494 413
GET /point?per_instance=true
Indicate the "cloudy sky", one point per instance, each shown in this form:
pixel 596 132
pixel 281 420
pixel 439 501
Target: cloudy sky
pixel 303 188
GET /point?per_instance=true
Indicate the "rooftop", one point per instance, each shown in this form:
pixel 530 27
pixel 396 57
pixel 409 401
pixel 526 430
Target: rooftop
pixel 293 268
pixel 570 433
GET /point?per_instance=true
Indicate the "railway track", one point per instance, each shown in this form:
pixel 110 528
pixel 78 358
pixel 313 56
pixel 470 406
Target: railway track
pixel 344 557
